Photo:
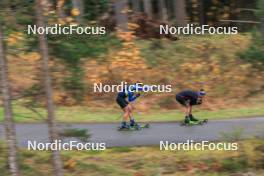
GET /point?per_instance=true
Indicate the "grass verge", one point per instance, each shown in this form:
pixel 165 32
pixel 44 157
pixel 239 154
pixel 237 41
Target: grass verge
pixel 146 161
pixel 81 114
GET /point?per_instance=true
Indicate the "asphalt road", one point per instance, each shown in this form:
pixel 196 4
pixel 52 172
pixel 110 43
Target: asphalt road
pixel 171 131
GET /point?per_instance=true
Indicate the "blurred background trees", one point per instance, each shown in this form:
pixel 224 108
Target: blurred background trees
pixel 10 131
pixel 133 42
pixel 230 68
pixel 47 84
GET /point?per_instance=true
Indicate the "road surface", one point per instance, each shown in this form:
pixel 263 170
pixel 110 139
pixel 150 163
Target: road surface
pixel 163 131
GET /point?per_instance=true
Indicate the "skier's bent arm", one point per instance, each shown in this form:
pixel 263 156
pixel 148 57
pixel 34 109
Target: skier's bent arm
pixel 132 97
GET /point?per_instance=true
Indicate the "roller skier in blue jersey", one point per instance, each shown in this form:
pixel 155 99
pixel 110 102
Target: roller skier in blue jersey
pixel 123 99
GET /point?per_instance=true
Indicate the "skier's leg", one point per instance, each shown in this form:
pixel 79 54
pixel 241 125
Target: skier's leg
pixel 188 108
pixel 125 117
pixel 193 118
pixel 187 113
pixel 124 106
pixel 132 120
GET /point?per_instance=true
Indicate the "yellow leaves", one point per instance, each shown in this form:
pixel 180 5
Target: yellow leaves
pixel 201 48
pixel 70 164
pixel 32 57
pixel 11 41
pixel 133 26
pixel 191 67
pixel 225 16
pixel 209 14
pixel 128 44
pixel 58 97
pixel 75 12
pixel 126 36
pixel 14 38
pixel 215 2
pixel 95 72
pixel 125 10
pixel 62 98
pixel 93 22
pixel 216 70
pixel 60 3
pixel 61 21
pixel 69 19
pixel 245 66
pixel 127 61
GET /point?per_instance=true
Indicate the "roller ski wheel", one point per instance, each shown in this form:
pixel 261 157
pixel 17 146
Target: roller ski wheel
pixel 140 126
pixel 136 127
pixel 202 122
pixel 123 129
pixel 191 123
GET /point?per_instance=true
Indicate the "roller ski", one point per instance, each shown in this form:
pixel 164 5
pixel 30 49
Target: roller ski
pixel 132 127
pixel 190 121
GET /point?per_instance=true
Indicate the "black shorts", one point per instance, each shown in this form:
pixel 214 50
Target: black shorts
pixel 181 100
pixel 121 102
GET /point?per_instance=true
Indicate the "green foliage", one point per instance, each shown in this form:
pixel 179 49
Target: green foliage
pixel 121 150
pixel 233 164
pixel 71 49
pixel 92 8
pixel 17 14
pixel 255 51
pixel 235 135
pixel 260 150
pixel 260 6
pixel 81 134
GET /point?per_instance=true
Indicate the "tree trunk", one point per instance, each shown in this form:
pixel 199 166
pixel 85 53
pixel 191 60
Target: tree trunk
pixel 8 114
pixel 78 4
pixel 121 14
pixel 59 9
pixel 262 27
pixel 180 12
pixel 163 14
pixel 148 8
pixel 201 12
pixel 136 5
pixel 53 134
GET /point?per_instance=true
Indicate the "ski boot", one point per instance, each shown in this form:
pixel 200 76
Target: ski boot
pixel 192 118
pixel 124 126
pixel 187 120
pixel 133 123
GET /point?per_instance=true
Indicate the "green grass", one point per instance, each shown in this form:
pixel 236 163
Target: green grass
pixel 146 161
pixel 81 114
